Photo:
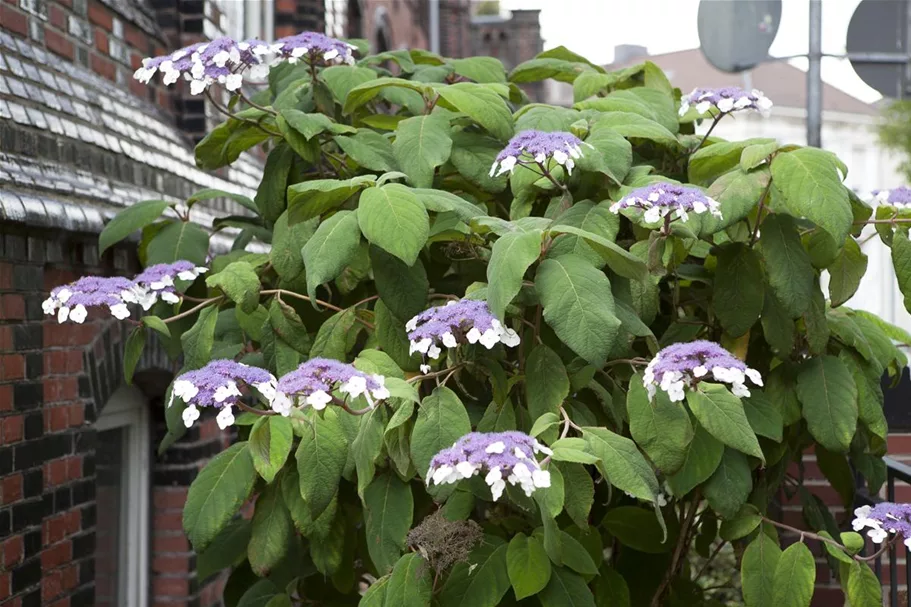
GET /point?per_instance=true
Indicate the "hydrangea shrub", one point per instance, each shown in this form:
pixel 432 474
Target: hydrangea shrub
pixel 500 351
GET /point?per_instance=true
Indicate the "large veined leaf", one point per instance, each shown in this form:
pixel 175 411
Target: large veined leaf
pixel 566 589
pixel 369 149
pixel 482 105
pixel 863 587
pixel 611 154
pixel 392 218
pixel 828 394
pixel 227 141
pixel 578 492
pixel 702 459
pixel 270 443
pixel 637 528
pixel 527 565
pixel 229 547
pixel 480 69
pixel 510 257
pixel 621 463
pixel 661 428
pixel 617 258
pixel 340 79
pixel 331 248
pixel 402 288
pixel 739 292
pixel 442 201
pixel 846 272
pixel 634 126
pixel 197 342
pixel 578 305
pixel 787 263
pixel 388 507
pixel 737 193
pixel 240 283
pixel 129 220
pixel 757 571
pixel 481 582
pixel 442 420
pixel 421 144
pixel 589 217
pixel 901 261
pixel 795 575
pixel 708 162
pixel 217 493
pixel 321 457
pixel 362 93
pixel 729 487
pixel 411 583
pixel 272 531
pixel 285 255
pixel 310 199
pixel 546 380
pixel 722 414
pixel 811 187
pixel 176 241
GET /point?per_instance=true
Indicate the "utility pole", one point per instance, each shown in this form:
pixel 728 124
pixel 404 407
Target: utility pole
pixel 814 76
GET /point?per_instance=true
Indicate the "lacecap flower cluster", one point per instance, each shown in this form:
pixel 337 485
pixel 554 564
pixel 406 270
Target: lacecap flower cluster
pixel 72 301
pixel 506 457
pixel 313 382
pixel 228 62
pixel 661 199
pixel 899 197
pixel 536 147
pixel 884 519
pixel 684 365
pixel 216 385
pixel 726 100
pixel 463 321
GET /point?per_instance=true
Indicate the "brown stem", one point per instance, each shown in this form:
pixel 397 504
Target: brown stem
pixel 709 132
pixel 567 424
pixel 765 194
pixel 814 536
pixel 250 409
pixel 432 374
pixel 710 559
pixel 184 314
pixel 682 544
pixel 326 304
pixel 229 114
pixel 250 102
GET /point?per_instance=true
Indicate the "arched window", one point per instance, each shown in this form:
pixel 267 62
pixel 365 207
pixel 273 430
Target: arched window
pixel 122 494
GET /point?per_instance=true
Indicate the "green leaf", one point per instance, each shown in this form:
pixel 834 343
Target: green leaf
pixel 442 420
pixel 747 519
pixel 511 255
pixel 828 394
pixel 422 143
pixel 271 195
pixel 566 589
pixel 286 254
pixel 272 531
pixel 618 259
pixel 225 143
pixel 901 261
pixel 498 417
pixel 441 201
pixel 411 583
pixel 226 550
pixel 331 249
pixel 473 153
pixel 579 306
pixel 311 125
pixel 578 492
pixel 757 154
pixel 702 459
pixel 198 340
pixel 572 450
pixel 376 593
pixel 634 126
pixel 310 199
pixel 757 571
pixel 542 68
pixel 787 263
pixel 708 162
pixel 621 463
pixel 611 589
pixel 576 557
pixel 637 528
pixel 661 428
pixel 270 444
pixel 156 324
pixel 179 240
pixel 217 493
pixel 811 187
pixel 795 575
pixel 392 218
pixel 402 288
pixel 729 487
pixel 764 416
pixel 480 69
pixel 588 217
pixel 132 352
pixel 340 79
pixel 321 457
pixel 212 193
pixel 362 93
pixel 527 565
pixel 863 587
pixel 331 339
pixel 388 512
pixel 240 283
pixel 846 272
pixel 738 296
pixel 546 380
pixel 481 582
pixel 482 105
pixel 737 193
pixel 133 218
pixel 838 472
pixel 777 326
pixel 259 594
pixel 722 414
pixel 369 149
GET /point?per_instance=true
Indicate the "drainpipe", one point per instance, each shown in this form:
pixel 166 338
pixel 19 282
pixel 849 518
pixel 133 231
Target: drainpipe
pixel 435 26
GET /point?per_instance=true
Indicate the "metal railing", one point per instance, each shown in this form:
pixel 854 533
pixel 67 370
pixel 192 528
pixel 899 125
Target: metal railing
pixel 895 471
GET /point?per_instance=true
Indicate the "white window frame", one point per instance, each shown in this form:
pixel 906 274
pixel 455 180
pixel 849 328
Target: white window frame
pixel 128 409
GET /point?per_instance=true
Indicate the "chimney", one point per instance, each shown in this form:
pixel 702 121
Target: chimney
pixel 625 53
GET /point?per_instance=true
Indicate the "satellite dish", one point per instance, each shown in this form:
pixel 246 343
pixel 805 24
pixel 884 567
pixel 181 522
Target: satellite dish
pixel 879 26
pixel 735 35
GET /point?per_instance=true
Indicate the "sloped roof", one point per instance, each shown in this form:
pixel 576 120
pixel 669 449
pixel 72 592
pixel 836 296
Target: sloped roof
pixel 783 83
pixel 74 147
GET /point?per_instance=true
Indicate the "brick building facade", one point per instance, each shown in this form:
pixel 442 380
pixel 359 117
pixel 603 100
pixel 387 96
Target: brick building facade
pixel 89 514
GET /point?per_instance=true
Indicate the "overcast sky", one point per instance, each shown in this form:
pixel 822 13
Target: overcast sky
pixel 592 28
